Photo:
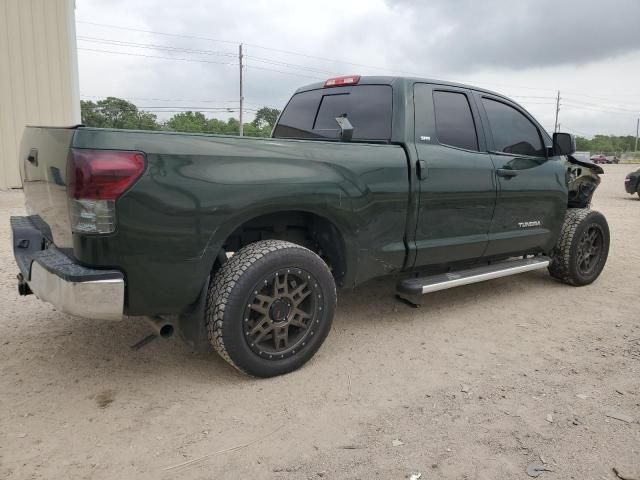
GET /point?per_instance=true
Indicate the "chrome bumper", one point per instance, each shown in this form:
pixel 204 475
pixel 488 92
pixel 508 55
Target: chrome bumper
pixel 99 299
pixel 56 278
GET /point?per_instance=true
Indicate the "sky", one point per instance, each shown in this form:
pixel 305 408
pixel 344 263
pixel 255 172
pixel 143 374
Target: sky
pixel 168 56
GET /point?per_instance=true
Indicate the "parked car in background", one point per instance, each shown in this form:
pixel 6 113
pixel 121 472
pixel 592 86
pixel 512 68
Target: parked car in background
pixel 612 159
pixel 599 159
pixel 632 183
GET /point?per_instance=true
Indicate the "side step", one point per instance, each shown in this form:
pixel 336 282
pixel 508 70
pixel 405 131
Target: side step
pixel 416 286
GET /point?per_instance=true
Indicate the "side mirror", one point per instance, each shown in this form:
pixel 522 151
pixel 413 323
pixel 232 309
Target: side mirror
pixel 563 144
pixel 346 129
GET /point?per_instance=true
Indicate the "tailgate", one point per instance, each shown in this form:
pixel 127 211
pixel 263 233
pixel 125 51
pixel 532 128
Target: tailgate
pixel 43 167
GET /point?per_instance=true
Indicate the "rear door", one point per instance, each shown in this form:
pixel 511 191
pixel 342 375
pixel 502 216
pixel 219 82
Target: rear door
pixel 532 192
pixel 457 183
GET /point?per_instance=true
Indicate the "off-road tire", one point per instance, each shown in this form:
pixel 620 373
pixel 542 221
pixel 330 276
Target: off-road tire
pixel 565 259
pixel 235 284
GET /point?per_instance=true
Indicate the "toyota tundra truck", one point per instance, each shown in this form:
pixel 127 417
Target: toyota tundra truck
pixel 240 243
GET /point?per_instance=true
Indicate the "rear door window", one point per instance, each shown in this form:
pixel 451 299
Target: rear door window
pixel 454 121
pixel 312 114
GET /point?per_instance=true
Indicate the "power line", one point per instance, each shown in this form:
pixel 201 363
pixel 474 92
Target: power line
pixel 162 99
pixel 190 108
pixel 113 52
pixel 602 110
pixel 157 33
pixel 153 32
pixel 202 52
pixel 312 70
pixel 538 103
pixel 172 110
pixel 534 96
pixel 154 46
pixel 609 106
pixel 332 60
pixel 155 107
pixel 292 65
pixel 153 56
pixel 604 96
pixel 177 100
pixel 281 71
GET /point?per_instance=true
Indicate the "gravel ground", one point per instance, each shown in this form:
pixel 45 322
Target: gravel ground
pixel 478 383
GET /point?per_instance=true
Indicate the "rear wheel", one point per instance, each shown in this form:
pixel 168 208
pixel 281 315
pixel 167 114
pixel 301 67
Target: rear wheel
pixel 270 307
pixel 582 249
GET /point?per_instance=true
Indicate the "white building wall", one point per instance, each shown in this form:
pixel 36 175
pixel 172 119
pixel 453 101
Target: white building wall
pixel 38 74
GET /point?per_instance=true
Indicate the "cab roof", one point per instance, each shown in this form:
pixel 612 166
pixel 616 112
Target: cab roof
pixel 391 80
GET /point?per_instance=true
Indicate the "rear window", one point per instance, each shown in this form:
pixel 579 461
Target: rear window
pixel 312 114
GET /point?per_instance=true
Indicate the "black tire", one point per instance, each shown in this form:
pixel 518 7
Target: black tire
pixel 582 248
pixel 276 285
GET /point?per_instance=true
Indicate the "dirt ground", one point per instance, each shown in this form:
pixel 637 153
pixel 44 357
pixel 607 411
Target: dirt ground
pixel 479 383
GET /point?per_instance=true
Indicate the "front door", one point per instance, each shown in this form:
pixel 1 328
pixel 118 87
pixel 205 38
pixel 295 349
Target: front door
pixel 532 192
pixel 456 176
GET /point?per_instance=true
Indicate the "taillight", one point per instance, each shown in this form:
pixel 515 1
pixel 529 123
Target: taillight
pixel 95 180
pixel 342 81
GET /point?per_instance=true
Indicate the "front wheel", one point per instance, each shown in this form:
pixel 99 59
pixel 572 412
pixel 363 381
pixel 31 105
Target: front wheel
pixel 270 307
pixel 582 249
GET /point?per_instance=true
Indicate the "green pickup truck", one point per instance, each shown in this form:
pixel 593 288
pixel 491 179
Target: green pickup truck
pixel 239 243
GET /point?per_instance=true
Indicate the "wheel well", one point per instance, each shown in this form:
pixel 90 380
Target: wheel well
pixel 302 228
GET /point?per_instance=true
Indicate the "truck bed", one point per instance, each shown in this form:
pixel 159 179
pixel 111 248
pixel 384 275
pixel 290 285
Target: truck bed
pixel 197 189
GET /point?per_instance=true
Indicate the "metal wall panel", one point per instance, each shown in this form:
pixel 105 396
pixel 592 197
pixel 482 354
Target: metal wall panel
pixel 38 74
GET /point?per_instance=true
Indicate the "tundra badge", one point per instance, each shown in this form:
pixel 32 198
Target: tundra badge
pixel 534 223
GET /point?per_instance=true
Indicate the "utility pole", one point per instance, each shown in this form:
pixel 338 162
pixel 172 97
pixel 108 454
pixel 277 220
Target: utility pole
pixel 637 131
pixel 241 95
pixel 557 111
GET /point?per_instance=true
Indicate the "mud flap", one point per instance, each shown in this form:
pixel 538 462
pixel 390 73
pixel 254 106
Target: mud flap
pixel 191 325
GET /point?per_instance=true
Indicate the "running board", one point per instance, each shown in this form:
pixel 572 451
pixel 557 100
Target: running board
pixel 416 286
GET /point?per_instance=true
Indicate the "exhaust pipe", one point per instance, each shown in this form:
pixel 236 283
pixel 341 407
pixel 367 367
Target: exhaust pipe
pixel 161 327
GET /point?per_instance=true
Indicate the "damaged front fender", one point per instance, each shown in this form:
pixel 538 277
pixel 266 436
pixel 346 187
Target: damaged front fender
pixel 583 177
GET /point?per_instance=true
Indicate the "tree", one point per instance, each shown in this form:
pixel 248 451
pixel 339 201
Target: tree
pixel 606 144
pixel 219 127
pixel 188 122
pixel 266 117
pixel 232 127
pixel 113 112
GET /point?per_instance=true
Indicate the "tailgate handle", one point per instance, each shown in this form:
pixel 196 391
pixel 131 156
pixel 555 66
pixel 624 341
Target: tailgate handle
pixel 33 157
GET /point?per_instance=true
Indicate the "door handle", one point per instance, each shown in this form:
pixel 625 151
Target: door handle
pixel 506 172
pixel 421 169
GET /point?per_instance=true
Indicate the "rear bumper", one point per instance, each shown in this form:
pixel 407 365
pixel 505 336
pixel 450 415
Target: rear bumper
pixel 59 280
